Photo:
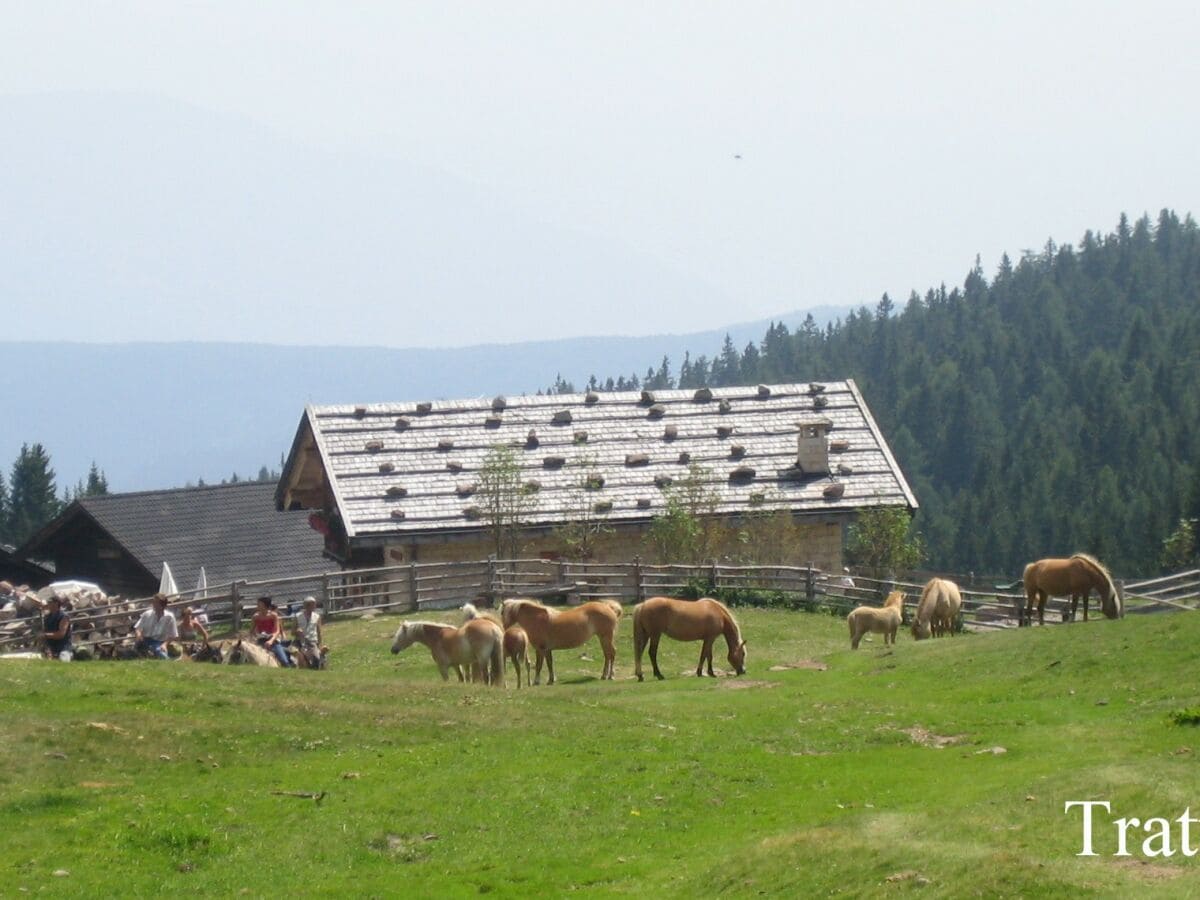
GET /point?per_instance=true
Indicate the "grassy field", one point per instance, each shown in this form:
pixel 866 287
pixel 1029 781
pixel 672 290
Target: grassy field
pixel 869 773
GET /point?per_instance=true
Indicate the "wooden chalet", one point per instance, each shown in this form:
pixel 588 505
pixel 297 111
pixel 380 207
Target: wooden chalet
pixel 399 482
pixel 120 541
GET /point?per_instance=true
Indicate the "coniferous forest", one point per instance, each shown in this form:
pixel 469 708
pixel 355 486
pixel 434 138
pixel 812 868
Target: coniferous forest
pixel 1050 408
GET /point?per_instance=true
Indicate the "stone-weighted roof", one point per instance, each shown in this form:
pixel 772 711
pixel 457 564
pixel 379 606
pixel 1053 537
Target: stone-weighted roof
pixel 429 453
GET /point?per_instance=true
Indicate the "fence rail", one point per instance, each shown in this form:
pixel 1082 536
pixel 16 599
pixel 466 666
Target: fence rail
pixel 421 586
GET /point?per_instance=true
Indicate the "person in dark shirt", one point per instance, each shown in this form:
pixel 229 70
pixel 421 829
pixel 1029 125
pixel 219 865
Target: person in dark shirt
pixel 56 630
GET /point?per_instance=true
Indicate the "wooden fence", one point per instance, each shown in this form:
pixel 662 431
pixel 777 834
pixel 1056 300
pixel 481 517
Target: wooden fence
pixel 422 586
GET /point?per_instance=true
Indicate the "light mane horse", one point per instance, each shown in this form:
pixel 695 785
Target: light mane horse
pixel 552 629
pixel 248 653
pixel 686 620
pixel 884 621
pixel 1075 577
pixel 478 642
pixel 937 609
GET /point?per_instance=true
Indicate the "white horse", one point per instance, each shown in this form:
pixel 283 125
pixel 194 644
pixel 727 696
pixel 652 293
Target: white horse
pixel 477 643
pixel 937 609
pixel 884 621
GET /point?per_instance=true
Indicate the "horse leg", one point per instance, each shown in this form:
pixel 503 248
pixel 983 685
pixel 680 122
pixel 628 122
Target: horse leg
pixel 639 645
pixel 706 656
pixel 610 656
pixel 654 656
pixel 1086 597
pixel 541 655
pixel 550 666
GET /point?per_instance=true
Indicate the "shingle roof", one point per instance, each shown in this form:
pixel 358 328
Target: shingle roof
pixel 428 452
pixel 232 530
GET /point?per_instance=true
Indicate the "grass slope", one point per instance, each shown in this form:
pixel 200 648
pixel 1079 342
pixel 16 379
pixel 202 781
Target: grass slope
pixel 144 777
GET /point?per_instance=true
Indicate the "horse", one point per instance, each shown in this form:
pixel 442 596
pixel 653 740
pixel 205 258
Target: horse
pixel 249 653
pixel 937 610
pixel 884 621
pixel 207 652
pixel 1076 577
pixel 516 648
pixel 686 620
pixel 478 642
pixel 552 629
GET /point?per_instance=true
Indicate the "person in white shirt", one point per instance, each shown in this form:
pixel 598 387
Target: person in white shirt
pixel 156 626
pixel 308 633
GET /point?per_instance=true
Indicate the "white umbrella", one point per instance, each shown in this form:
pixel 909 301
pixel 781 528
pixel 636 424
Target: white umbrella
pixel 201 592
pixel 166 584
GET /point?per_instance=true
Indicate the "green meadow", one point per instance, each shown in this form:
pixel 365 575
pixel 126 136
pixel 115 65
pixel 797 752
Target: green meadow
pixel 938 769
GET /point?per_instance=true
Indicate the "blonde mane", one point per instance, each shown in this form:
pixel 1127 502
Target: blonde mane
pixel 1100 567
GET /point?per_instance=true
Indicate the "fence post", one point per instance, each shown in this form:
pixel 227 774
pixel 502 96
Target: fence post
pixel 712 575
pixel 639 589
pixel 493 590
pixel 326 600
pixel 413 599
pixel 235 614
pixel 810 587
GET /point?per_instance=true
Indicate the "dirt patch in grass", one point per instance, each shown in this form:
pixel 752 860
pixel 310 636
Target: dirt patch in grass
pixel 814 665
pixel 736 684
pixel 1148 871
pixel 927 738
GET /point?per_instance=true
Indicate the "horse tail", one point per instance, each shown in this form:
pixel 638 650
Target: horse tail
pixel 469 611
pixel 497 660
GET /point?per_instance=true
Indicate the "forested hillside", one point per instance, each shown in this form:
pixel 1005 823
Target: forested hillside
pixel 1051 409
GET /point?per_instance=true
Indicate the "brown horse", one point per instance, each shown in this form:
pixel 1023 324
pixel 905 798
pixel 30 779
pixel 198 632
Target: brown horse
pixel 884 621
pixel 1075 577
pixel 937 609
pixel 552 629
pixel 686 620
pixel 478 642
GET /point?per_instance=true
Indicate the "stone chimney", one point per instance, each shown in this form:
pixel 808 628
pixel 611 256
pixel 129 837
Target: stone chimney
pixel 812 447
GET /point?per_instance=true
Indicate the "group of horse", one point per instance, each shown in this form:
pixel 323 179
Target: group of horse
pixel 485 641
pixel 235 651
pixel 481 647
pixel 941 601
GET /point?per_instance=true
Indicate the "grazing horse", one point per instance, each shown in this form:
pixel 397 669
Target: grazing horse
pixel 516 648
pixel 686 620
pixel 1075 577
pixel 478 642
pixel 884 621
pixel 249 653
pixel 937 610
pixel 552 629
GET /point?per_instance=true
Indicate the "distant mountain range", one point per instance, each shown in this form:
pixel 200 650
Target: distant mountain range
pixel 162 414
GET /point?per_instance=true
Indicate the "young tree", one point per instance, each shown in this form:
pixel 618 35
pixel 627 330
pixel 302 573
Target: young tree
pixel 586 523
pixel 3 509
pixel 687 531
pixel 33 499
pixel 507 502
pixel 1179 549
pixel 882 543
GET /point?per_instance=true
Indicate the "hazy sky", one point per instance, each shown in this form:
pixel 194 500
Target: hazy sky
pixel 881 145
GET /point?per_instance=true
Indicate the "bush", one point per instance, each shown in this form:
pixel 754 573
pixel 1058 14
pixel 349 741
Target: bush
pixel 1188 716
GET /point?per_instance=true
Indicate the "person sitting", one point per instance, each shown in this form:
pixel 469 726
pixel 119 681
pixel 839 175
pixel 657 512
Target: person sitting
pixel 56 630
pixel 156 626
pixel 190 626
pixel 308 633
pixel 268 631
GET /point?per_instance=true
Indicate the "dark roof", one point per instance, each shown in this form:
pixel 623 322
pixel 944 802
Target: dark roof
pixel 429 454
pixel 14 568
pixel 232 530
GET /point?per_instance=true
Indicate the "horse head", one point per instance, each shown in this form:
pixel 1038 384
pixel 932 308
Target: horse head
pixel 920 630
pixel 737 658
pixel 405 635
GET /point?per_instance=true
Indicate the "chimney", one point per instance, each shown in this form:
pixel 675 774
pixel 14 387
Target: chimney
pixel 812 447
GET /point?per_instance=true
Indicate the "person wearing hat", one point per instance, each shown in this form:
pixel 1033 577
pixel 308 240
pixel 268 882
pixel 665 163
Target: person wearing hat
pixel 156 626
pixel 56 630
pixel 308 632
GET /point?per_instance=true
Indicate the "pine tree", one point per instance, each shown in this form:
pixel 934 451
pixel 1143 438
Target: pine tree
pixel 97 482
pixel 3 509
pixel 33 499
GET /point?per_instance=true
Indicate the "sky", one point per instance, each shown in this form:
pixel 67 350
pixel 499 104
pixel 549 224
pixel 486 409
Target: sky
pixel 720 162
